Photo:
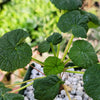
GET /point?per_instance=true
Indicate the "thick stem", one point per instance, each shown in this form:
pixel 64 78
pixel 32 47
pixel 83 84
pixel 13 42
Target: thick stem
pixel 53 49
pixel 72 67
pixel 67 61
pixel 58 49
pixel 67 47
pixel 78 72
pixel 37 61
pixel 23 82
pixel 66 92
pixel 21 88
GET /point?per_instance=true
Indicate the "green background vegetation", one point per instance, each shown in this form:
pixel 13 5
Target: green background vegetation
pixel 38 17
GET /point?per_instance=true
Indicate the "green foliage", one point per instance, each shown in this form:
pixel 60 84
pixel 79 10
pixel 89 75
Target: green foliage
pixel 92 18
pixel 47 88
pixel 55 39
pixel 91 80
pixel 38 17
pixel 12 96
pixel 53 65
pixel 14 53
pixel 8 96
pixel 44 47
pixel 67 4
pixel 74 21
pixel 83 54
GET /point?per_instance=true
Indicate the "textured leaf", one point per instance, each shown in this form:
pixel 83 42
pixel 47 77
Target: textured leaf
pixel 1 84
pixel 3 89
pixel 76 30
pixel 82 54
pixel 93 19
pixel 56 38
pixel 44 47
pixel 74 21
pixel 14 53
pixel 53 65
pixel 12 96
pixel 67 4
pixel 91 80
pixel 8 96
pixel 47 88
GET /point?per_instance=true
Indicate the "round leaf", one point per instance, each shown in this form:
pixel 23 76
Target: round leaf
pixel 56 38
pixel 74 21
pixel 82 54
pixel 53 65
pixel 44 47
pixel 47 88
pixel 14 53
pixel 91 80
pixel 67 4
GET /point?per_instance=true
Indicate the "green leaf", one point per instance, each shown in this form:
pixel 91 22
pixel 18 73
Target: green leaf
pixel 67 4
pixel 44 47
pixel 74 21
pixel 14 53
pixel 91 80
pixel 56 38
pixel 53 65
pixel 76 30
pixel 3 89
pixel 47 88
pixel 12 96
pixel 83 54
pixel 93 19
pixel 8 96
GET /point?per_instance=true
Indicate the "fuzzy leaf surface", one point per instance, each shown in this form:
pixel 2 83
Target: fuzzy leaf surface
pixel 74 21
pixel 8 96
pixel 91 80
pixel 83 54
pixel 14 53
pixel 67 4
pixel 53 65
pixel 44 47
pixel 56 38
pixel 47 88
pixel 12 96
pixel 92 18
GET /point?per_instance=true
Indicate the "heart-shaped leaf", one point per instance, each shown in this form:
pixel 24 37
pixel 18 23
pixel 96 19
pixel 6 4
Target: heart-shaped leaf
pixel 82 54
pixel 14 53
pixel 67 4
pixel 74 21
pixel 47 88
pixel 56 38
pixel 91 80
pixel 53 65
pixel 44 47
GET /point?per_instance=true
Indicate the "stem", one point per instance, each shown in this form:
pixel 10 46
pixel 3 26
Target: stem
pixel 72 67
pixel 58 49
pixel 78 72
pixel 67 47
pixel 67 61
pixel 66 92
pixel 37 61
pixel 53 49
pixel 21 88
pixel 37 70
pixel 23 82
